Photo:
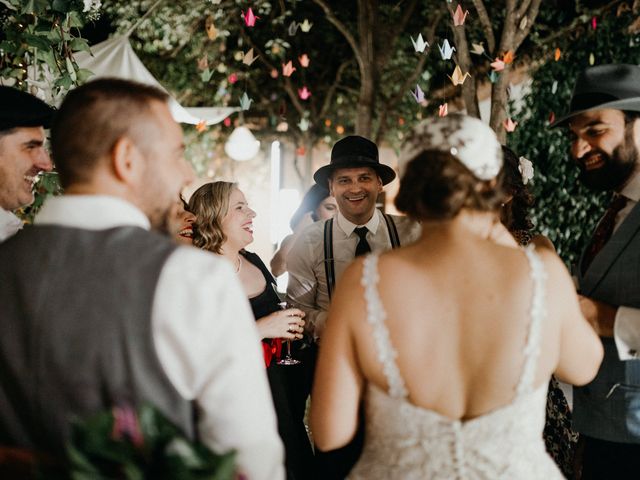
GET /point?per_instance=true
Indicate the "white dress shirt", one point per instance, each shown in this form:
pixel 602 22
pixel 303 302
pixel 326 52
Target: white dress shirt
pixel 205 337
pixel 307 288
pixel 626 327
pixel 9 224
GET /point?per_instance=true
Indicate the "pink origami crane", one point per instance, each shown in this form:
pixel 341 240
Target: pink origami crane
pixel 249 18
pixel 497 65
pixel 233 78
pixel 288 69
pixel 459 17
pixel 510 125
pixel 304 60
pixel 443 110
pixel 304 93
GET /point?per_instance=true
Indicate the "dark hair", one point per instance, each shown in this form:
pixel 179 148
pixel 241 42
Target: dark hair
pixel 515 213
pixel 310 202
pixel 93 117
pixel 436 186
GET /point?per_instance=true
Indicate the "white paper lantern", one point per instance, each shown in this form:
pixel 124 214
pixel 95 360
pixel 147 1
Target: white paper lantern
pixel 241 144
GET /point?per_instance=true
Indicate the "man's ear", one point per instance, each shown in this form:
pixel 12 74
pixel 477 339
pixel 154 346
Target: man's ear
pixel 126 160
pixel 379 184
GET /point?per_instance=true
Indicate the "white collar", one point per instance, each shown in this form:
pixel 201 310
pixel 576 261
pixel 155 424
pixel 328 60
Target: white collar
pixel 347 227
pixel 9 224
pixel 632 189
pixel 91 212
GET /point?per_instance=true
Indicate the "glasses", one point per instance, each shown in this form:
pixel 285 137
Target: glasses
pixel 288 359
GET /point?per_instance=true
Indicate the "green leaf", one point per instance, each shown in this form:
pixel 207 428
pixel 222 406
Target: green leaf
pixel 84 75
pixel 79 45
pixel 61 5
pixel 75 21
pixel 71 69
pixel 37 41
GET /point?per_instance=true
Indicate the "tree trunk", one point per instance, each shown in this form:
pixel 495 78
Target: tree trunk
pixel 368 84
pixel 499 99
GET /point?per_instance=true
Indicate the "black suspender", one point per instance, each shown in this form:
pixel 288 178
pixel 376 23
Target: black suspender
pixel 329 269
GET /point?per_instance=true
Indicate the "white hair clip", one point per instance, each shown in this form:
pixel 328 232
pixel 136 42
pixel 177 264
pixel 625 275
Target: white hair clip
pixel 525 168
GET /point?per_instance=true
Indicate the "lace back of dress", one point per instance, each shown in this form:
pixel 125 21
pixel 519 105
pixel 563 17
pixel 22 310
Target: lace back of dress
pixel 537 314
pixel 375 317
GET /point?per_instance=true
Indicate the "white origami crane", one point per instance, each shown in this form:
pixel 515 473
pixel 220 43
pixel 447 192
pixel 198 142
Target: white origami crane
pixel 420 44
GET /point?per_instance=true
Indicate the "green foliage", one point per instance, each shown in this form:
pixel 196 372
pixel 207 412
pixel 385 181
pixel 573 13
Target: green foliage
pixel 47 185
pixel 566 211
pixel 142 444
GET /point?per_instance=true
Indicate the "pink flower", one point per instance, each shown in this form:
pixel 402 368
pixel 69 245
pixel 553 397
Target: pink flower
pixel 126 426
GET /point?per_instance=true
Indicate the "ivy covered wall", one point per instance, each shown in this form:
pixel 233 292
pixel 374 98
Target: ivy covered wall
pixel 566 211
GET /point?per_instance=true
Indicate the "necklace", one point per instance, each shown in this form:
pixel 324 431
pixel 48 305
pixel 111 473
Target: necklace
pixel 239 264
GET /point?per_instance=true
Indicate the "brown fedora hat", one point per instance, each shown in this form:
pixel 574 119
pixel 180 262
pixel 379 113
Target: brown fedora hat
pixel 354 152
pixel 604 86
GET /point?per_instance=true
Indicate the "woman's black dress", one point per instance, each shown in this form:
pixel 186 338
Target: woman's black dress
pixel 289 386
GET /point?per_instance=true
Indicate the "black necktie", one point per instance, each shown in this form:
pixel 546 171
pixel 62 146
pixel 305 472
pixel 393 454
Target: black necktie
pixel 363 246
pixel 604 230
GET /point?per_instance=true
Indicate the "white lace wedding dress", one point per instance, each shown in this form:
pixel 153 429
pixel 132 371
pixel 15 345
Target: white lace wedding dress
pixel 405 442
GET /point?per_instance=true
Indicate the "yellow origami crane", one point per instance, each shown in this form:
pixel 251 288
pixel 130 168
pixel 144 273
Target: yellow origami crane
pixel 458 78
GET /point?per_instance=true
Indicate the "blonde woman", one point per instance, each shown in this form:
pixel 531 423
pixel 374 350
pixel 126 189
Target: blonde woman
pixel 224 225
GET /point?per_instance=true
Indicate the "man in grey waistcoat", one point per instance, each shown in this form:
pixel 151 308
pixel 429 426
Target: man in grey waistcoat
pixel 604 128
pixel 98 310
pixel 23 155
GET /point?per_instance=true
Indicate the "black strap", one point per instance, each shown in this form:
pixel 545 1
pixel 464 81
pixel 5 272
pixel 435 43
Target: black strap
pixel 393 231
pixel 329 269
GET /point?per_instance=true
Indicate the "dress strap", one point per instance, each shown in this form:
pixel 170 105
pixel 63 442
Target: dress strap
pixel 375 317
pixel 537 314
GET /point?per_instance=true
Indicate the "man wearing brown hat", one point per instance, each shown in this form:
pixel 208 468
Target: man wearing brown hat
pixel 605 140
pixel 355 177
pixel 23 118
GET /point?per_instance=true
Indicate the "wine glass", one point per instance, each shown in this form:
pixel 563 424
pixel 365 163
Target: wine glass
pixel 288 359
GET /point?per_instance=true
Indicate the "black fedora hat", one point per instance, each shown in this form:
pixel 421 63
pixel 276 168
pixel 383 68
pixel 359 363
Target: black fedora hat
pixel 354 152
pixel 20 109
pixel 604 86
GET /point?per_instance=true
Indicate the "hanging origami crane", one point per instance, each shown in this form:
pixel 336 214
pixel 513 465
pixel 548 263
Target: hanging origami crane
pixel 443 110
pixel 249 18
pixel 477 48
pixel 509 125
pixel 303 125
pixel 288 69
pixel 446 50
pixel 458 78
pixel 459 16
pixel 497 65
pixel 212 31
pixel 304 60
pixel 420 44
pixel 304 93
pixel 245 101
pixel 305 26
pixel 293 28
pixel 418 94
pixel 248 57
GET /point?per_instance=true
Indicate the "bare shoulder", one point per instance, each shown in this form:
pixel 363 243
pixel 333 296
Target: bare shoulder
pixel 542 242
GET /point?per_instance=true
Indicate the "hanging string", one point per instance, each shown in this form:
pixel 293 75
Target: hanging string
pixel 142 19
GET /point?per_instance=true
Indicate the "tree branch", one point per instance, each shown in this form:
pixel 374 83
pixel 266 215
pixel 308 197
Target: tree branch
pixel 328 98
pixel 530 14
pixel 343 30
pixel 485 21
pixel 463 57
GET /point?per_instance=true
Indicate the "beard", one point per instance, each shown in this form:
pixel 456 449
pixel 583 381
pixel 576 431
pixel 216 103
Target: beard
pixel 616 170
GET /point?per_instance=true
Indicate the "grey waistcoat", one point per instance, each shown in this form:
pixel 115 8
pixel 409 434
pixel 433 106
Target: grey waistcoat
pixel 75 323
pixel 609 407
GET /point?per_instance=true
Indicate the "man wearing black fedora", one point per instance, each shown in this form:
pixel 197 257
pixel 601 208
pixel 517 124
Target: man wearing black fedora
pixel 355 177
pixel 23 118
pixel 323 250
pixel 604 126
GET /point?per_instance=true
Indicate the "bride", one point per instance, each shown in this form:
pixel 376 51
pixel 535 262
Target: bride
pixel 448 344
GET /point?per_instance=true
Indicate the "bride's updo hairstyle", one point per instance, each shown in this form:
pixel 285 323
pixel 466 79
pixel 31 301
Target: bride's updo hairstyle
pixel 448 164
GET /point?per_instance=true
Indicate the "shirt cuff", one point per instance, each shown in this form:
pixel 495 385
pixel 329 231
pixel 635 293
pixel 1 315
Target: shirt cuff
pixel 626 333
